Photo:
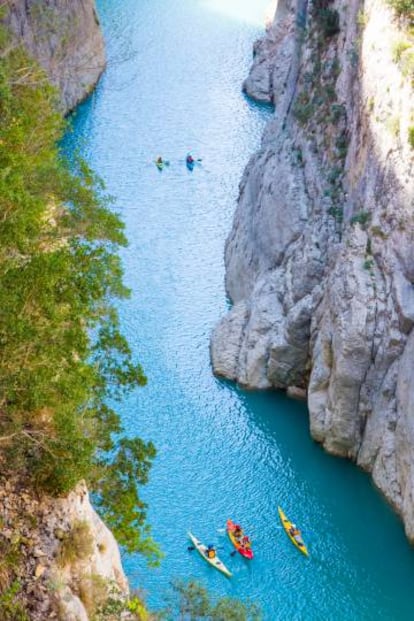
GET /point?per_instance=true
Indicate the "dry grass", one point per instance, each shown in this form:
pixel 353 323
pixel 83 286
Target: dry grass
pixel 77 545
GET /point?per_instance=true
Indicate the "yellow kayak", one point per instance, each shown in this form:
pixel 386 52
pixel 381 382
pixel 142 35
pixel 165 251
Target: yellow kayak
pixel 293 533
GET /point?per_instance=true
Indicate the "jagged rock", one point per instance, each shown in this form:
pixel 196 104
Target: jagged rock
pixel 319 261
pixel 67 41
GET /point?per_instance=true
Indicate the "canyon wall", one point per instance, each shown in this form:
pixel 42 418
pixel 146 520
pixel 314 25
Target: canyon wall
pixel 59 560
pixel 320 261
pixel 65 38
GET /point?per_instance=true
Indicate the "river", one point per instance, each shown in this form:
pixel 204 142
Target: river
pixel 172 86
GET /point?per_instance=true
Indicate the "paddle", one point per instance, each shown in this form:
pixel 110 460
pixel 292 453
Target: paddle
pixel 191 548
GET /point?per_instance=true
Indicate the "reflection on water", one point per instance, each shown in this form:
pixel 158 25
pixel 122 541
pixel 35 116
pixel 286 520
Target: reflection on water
pixel 222 453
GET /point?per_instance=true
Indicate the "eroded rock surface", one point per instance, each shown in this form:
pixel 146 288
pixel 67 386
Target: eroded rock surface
pixel 65 38
pixel 320 260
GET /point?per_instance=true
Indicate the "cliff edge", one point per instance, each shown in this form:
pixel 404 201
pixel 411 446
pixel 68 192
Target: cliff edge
pixel 319 262
pixel 65 38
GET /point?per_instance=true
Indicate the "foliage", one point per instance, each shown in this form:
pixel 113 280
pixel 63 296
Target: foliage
pixel 403 8
pixel 11 609
pixel 77 545
pixel 398 48
pixel 63 357
pixel 329 21
pixel 411 136
pixel 362 217
pixel 407 63
pixel 9 561
pixel 303 108
pixel 191 602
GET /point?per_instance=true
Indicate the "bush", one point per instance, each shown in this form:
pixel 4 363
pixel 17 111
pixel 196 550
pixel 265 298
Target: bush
pixel 11 609
pixel 398 48
pixel 361 218
pixel 190 600
pixel 411 136
pixel 407 63
pixel 303 108
pixel 403 8
pixel 77 545
pixel 329 22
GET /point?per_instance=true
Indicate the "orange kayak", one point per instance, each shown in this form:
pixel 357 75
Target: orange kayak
pixel 243 547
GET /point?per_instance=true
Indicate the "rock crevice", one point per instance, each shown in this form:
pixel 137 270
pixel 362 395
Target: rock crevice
pixel 320 251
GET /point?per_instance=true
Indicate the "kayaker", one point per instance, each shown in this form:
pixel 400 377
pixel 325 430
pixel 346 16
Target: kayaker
pixel 189 159
pixel 246 542
pixel 211 552
pixel 294 531
pixel 159 160
pixel 238 532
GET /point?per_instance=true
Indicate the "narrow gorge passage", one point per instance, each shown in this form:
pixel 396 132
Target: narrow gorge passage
pixel 173 85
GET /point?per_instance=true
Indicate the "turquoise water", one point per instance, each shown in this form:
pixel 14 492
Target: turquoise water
pixel 173 85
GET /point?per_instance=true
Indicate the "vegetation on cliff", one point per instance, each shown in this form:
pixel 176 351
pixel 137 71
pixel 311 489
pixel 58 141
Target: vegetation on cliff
pixel 63 359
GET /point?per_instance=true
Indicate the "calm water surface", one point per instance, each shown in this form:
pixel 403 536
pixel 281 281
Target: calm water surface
pixel 173 85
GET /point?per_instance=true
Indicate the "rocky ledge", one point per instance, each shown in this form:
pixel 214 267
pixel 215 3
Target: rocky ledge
pixel 319 262
pixel 58 557
pixel 66 39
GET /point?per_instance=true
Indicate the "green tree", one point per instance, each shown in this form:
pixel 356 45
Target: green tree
pixel 190 601
pixel 63 359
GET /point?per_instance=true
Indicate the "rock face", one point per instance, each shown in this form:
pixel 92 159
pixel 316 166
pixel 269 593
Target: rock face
pixel 320 261
pixel 69 562
pixel 65 37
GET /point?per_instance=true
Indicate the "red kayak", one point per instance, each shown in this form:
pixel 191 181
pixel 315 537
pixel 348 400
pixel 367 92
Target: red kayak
pixel 240 541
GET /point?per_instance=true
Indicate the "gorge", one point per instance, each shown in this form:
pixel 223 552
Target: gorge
pixel 319 262
pixel 317 303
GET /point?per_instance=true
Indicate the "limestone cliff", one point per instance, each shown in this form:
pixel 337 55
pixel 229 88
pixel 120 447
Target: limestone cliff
pixel 61 555
pixel 65 37
pixel 320 261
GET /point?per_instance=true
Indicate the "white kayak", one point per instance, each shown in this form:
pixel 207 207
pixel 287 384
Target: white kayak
pixel 214 562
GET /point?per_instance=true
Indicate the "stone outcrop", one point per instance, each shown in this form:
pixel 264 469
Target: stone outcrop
pixel 65 38
pixel 320 261
pixel 67 563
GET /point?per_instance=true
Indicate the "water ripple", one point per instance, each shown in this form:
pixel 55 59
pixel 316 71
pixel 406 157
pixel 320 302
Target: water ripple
pixel 221 452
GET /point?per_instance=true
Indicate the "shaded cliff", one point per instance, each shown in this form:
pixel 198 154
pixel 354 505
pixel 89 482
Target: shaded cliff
pixel 319 262
pixel 59 557
pixel 65 38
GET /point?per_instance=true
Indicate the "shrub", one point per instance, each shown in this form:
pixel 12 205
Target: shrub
pixel 77 545
pixel 362 217
pixel 303 108
pixel 93 592
pixel 398 48
pixel 407 63
pixel 190 600
pixel 393 125
pixel 411 136
pixel 11 609
pixel 329 21
pixel 403 8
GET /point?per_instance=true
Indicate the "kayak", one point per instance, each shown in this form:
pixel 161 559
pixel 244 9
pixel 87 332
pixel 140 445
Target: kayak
pixel 161 165
pixel 214 562
pixel 245 552
pixel 295 539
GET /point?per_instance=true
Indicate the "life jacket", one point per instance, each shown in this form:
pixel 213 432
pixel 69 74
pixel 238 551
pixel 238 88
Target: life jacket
pixel 211 553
